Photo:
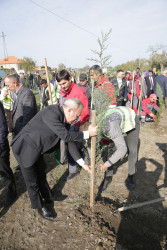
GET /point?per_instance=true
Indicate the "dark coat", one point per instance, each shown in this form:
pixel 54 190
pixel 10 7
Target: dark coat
pixel 4 145
pixel 24 109
pixel 121 93
pixel 148 84
pixel 162 80
pixel 42 134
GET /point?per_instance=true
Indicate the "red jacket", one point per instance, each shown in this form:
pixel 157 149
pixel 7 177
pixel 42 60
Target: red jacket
pixel 136 82
pixel 76 92
pixel 104 83
pixel 146 102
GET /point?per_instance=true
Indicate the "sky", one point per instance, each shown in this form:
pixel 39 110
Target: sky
pixel 68 30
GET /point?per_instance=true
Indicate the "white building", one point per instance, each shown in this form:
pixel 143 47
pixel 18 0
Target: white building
pixel 11 62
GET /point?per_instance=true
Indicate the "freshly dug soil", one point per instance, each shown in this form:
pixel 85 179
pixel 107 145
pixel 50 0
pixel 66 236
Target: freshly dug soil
pixel 79 227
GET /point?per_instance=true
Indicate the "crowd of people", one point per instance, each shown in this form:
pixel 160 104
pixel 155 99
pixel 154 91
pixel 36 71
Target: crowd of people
pixel 132 96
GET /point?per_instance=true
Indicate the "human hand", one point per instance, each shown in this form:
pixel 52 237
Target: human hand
pixel 92 130
pixel 87 168
pixel 154 116
pixel 5 93
pixel 103 166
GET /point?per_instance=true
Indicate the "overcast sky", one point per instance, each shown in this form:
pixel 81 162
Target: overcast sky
pixel 34 32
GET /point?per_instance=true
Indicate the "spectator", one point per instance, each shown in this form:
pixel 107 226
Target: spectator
pixel 5 170
pixel 149 108
pixel 121 90
pixel 8 106
pixel 46 97
pixel 83 83
pixel 30 80
pixel 22 78
pixel 162 81
pixel 138 73
pixel 71 90
pixel 133 91
pixel 24 107
pixel 37 83
pixel 150 82
pixel 102 82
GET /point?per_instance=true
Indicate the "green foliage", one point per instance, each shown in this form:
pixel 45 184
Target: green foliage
pixel 161 104
pixel 102 100
pixel 28 64
pixel 101 59
pixel 158 56
pixel 61 66
pixel 132 65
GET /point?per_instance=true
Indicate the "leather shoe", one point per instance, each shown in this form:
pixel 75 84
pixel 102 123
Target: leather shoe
pixel 71 175
pixel 47 212
pixel 17 168
pixel 105 183
pixel 129 184
pixel 11 197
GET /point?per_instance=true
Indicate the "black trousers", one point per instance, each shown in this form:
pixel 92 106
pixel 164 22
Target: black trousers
pixel 37 185
pixel 6 173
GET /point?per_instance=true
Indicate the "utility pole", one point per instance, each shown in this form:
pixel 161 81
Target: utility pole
pixel 4 45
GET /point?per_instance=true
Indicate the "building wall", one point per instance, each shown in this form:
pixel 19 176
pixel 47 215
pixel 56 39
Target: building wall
pixel 10 66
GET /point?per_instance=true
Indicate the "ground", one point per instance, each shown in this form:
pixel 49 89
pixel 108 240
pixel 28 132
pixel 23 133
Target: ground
pixel 79 227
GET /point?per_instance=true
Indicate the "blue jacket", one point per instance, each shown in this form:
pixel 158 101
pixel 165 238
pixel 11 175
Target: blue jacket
pixel 4 145
pixel 162 80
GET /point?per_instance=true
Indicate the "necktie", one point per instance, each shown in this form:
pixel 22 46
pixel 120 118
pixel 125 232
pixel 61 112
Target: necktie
pixel 151 81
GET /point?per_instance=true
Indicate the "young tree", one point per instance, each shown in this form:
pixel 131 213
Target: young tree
pixel 101 59
pixel 28 64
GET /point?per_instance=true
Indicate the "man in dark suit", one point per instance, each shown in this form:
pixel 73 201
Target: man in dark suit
pixel 41 135
pixel 5 170
pixel 120 87
pixel 24 107
pixel 150 82
pixel 162 81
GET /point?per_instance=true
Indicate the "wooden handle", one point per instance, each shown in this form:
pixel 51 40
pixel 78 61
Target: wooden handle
pixel 93 156
pixel 48 82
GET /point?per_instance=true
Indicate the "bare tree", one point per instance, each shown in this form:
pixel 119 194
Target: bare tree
pixel 158 55
pixel 103 60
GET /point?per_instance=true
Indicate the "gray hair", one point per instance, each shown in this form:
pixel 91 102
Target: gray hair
pixel 164 71
pixel 73 103
pixel 13 77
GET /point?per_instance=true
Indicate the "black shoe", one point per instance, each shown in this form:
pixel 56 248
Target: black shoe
pixel 129 183
pixel 11 197
pixel 105 183
pixel 17 168
pixel 71 175
pixel 47 212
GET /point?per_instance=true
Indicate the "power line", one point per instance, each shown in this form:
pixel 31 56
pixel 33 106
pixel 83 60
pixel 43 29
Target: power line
pixel 76 25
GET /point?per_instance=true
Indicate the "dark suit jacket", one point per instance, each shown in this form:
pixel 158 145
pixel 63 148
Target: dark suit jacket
pixel 121 93
pixel 148 84
pixel 4 146
pixel 162 80
pixel 42 134
pixel 24 109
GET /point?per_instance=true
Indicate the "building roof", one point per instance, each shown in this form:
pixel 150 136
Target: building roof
pixel 10 60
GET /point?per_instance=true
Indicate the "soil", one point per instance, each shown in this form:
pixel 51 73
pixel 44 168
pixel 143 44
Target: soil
pixel 79 227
